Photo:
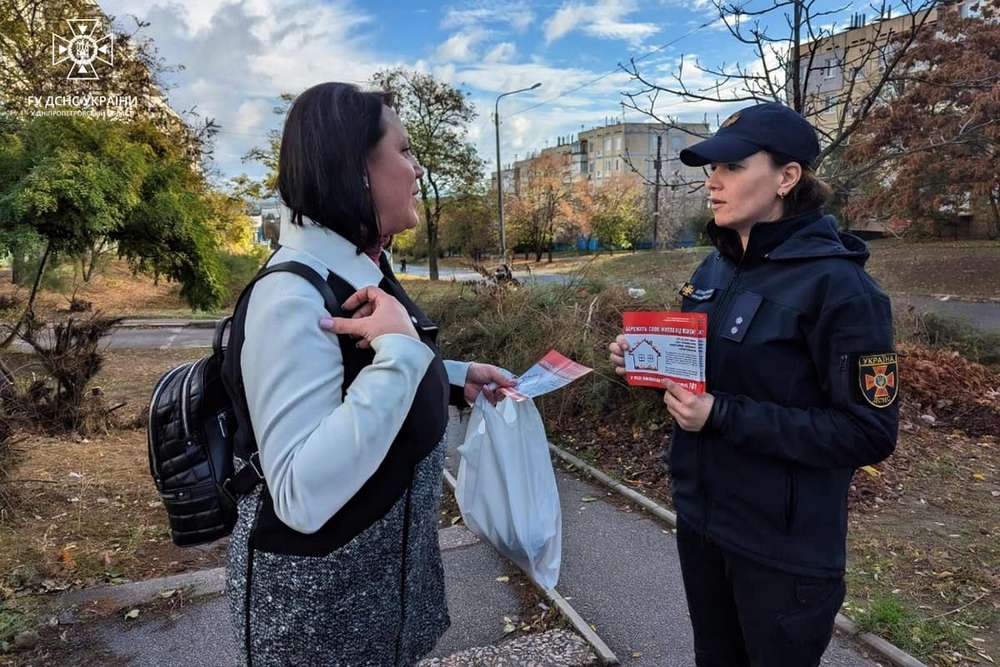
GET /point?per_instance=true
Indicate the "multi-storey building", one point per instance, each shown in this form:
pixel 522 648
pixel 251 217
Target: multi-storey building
pixel 839 71
pixel 626 150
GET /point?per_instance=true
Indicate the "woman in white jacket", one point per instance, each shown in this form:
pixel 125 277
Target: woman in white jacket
pixel 334 559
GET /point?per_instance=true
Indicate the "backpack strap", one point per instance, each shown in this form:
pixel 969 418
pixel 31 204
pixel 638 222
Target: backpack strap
pixel 250 475
pixel 298 268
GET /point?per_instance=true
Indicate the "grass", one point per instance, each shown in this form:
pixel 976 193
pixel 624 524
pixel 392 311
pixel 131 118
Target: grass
pixel 890 618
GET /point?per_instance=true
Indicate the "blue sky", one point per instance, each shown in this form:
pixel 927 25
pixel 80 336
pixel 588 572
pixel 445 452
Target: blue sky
pixel 238 55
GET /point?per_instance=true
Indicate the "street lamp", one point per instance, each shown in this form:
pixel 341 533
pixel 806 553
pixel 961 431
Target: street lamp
pixel 496 119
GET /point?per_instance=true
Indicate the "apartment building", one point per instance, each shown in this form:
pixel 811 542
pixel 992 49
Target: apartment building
pixel 626 150
pixel 839 71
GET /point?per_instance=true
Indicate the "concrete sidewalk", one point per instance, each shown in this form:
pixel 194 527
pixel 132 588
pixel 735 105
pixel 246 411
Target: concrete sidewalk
pixel 198 632
pixel 620 571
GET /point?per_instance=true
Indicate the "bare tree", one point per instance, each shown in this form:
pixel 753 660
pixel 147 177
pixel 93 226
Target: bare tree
pixel 786 65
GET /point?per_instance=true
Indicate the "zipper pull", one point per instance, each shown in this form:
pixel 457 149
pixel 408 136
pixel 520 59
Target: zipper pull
pixel 843 363
pixel 221 417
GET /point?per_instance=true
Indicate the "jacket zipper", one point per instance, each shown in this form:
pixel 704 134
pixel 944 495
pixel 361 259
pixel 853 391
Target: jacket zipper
pixel 713 328
pixel 790 500
pixel 402 573
pixel 151 425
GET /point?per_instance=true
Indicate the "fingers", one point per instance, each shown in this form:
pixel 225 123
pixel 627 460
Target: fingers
pixel 363 295
pixel 342 325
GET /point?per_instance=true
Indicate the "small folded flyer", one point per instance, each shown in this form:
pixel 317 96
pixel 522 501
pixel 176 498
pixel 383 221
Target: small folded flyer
pixel 664 346
pixel 553 371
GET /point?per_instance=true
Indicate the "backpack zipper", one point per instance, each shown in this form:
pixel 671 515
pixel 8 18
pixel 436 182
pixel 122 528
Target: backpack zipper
pixel 185 389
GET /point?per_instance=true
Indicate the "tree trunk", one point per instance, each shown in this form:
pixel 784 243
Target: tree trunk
pixel 550 254
pixel 995 205
pixel 432 258
pixel 31 299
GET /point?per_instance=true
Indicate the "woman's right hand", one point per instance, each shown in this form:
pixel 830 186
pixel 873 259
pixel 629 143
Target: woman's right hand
pixel 618 348
pixel 377 313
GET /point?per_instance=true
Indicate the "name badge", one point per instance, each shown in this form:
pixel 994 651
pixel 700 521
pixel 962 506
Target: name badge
pixel 689 291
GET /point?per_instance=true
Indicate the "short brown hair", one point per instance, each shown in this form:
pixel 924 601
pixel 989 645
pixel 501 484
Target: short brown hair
pixel 809 193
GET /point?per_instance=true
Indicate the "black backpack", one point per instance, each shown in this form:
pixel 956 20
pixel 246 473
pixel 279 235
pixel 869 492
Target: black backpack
pixel 198 421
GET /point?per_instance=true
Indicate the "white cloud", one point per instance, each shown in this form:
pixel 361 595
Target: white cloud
pixel 516 14
pixel 502 52
pixel 604 19
pixel 239 56
pixel 461 46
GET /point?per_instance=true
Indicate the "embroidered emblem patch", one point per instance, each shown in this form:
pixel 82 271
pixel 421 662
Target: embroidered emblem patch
pixel 878 375
pixel 731 120
pixel 692 292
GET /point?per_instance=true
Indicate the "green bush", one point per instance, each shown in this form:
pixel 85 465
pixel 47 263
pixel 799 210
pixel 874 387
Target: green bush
pixel 514 327
pixel 240 269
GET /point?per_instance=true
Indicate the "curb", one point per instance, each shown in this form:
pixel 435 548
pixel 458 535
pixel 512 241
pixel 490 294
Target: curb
pixel 887 650
pixel 167 324
pixel 604 653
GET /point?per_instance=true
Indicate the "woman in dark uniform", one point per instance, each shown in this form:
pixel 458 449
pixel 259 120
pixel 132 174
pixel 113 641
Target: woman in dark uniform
pixel 334 559
pixel 802 383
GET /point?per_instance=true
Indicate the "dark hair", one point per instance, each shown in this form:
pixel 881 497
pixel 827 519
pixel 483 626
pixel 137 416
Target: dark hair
pixel 322 174
pixel 808 194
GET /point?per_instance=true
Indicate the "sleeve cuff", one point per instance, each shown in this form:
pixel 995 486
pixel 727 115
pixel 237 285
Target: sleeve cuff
pixel 457 371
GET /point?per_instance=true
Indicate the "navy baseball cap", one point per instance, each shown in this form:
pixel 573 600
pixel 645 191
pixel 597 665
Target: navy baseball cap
pixel 770 127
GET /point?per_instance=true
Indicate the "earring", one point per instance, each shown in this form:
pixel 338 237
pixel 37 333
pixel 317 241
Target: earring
pixel 781 195
pixel 364 180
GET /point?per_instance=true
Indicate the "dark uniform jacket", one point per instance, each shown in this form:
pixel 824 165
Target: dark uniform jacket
pixel 800 362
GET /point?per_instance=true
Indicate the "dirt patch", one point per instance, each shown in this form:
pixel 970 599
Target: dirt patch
pixel 114 291
pixel 963 268
pixel 85 510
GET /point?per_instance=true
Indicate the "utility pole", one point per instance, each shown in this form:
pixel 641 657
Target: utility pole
pixel 657 165
pixel 797 103
pixel 496 120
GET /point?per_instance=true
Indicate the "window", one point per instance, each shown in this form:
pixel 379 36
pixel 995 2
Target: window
pixel 830 69
pixel 677 142
pixel 829 102
pixel 618 164
pixel 618 143
pixel 607 144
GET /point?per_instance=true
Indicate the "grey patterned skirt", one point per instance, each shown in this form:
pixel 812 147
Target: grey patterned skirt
pixel 348 607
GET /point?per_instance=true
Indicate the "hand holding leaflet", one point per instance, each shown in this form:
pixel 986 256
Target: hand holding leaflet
pixel 553 371
pixel 665 346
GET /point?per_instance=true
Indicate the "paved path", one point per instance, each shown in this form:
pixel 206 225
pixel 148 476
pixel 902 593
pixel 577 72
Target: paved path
pixel 985 316
pixel 198 633
pixel 620 571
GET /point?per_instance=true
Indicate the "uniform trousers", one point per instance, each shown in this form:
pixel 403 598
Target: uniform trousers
pixel 747 614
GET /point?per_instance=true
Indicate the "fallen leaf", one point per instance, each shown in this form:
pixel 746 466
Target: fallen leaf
pixel 871 470
pixel 588 499
pixel 503 579
pixel 133 613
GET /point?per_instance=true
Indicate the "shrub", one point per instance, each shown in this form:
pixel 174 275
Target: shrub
pixel 949 333
pixel 240 269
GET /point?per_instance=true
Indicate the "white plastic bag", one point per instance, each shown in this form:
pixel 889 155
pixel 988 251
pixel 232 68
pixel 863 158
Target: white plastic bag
pixel 507 489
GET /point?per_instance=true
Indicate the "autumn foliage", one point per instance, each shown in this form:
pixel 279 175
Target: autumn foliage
pixel 935 143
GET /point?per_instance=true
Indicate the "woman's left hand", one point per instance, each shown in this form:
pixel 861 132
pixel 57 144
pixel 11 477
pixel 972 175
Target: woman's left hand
pixel 481 378
pixel 690 410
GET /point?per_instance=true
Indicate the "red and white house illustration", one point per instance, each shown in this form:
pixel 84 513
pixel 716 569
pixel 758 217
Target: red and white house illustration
pixel 665 346
pixel 645 356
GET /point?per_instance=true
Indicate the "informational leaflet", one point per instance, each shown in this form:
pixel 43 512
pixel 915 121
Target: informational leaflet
pixel 553 371
pixel 666 345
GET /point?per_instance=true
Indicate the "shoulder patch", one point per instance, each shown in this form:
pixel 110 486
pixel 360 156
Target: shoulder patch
pixel 878 378
pixel 691 292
